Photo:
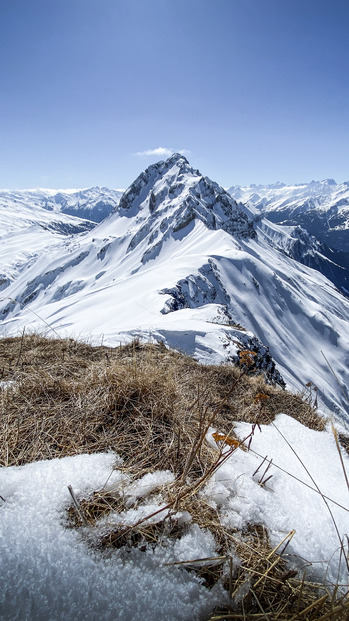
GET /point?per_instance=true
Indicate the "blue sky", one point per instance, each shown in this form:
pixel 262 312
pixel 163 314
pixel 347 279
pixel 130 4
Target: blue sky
pixel 253 91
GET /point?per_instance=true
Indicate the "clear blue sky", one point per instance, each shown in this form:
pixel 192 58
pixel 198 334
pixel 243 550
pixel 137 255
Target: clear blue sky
pixel 254 91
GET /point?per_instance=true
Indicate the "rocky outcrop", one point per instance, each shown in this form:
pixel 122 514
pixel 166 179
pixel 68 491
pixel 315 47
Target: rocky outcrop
pixel 205 287
pixel 262 360
pixel 169 196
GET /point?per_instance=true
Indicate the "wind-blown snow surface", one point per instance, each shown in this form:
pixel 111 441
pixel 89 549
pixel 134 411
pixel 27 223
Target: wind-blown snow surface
pixel 49 571
pixel 179 260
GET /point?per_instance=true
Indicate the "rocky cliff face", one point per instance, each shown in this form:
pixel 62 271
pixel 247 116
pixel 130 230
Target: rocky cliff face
pixel 168 196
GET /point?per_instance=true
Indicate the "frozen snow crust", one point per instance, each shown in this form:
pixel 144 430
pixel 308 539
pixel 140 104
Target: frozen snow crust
pixel 284 501
pixel 49 572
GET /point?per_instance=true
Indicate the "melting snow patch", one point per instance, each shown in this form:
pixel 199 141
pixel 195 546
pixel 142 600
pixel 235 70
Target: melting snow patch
pixel 290 499
pixel 7 385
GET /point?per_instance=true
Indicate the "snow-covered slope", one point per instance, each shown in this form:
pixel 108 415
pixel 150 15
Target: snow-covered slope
pixel 20 209
pixel 179 260
pixel 27 230
pixel 321 207
pixel 299 244
pixel 93 204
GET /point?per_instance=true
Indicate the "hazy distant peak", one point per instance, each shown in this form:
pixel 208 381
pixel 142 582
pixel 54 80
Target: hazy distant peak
pixel 321 207
pixel 329 182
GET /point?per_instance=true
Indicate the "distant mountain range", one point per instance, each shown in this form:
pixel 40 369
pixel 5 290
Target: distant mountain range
pixel 321 207
pixel 177 259
pixel 93 204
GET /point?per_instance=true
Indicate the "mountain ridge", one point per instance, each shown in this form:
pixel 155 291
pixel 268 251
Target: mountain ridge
pixel 179 261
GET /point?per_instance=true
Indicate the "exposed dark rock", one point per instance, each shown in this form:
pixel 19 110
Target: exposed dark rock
pixel 196 290
pixel 262 361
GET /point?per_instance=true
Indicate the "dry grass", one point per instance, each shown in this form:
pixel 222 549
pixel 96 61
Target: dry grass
pixel 261 586
pixel 344 441
pixel 264 587
pixel 142 401
pixel 152 407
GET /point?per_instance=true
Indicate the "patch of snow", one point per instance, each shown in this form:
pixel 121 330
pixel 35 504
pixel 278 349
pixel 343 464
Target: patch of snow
pixel 49 572
pixel 287 501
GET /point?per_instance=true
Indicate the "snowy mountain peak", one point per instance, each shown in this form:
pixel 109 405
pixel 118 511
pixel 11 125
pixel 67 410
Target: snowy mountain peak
pixel 170 196
pixel 328 182
pixel 177 157
pixel 174 167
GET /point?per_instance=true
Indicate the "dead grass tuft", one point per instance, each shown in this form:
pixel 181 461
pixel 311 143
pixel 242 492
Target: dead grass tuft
pixel 143 401
pixel 264 587
pixel 344 441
